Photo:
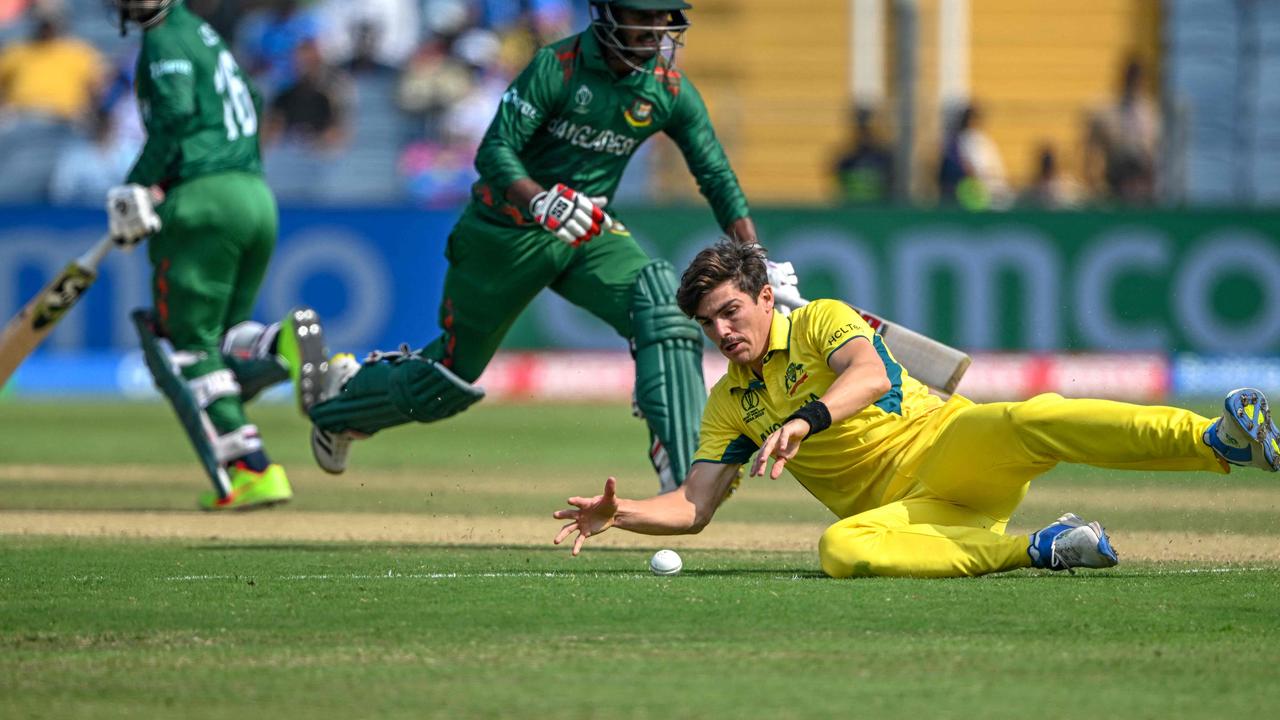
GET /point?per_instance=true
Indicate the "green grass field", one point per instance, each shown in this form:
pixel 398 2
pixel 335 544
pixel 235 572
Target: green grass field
pixel 423 584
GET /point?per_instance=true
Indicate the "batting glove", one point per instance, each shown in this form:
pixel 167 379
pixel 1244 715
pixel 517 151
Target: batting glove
pixel 569 215
pixel 786 286
pixel 131 214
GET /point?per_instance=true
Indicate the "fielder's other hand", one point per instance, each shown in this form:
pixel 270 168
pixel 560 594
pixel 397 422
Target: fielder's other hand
pixel 593 515
pixel 131 214
pixel 782 445
pixel 569 215
pixel 786 286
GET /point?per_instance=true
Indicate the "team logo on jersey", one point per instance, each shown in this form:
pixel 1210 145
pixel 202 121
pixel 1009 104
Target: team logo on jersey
pixel 795 377
pixel 640 114
pixel 583 98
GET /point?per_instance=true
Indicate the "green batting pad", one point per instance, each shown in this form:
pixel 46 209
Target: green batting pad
pixel 403 388
pixel 670 391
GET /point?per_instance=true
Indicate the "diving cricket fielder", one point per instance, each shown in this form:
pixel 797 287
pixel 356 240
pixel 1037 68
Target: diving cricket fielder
pixel 922 487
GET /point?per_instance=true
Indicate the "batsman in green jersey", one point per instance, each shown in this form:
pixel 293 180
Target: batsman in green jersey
pixel 549 164
pixel 197 191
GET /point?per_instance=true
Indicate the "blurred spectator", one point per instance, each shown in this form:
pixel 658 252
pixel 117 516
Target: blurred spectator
pixel 1121 143
pixel 455 84
pixel 224 15
pixel 50 74
pixel 439 173
pixel 370 35
pixel 549 20
pixel 313 111
pixel 119 100
pixel 1051 189
pixel 12 10
pixel 90 165
pixel 971 173
pixel 864 173
pixel 269 41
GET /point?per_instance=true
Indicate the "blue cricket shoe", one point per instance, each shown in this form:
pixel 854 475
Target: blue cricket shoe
pixel 1071 543
pixel 1245 435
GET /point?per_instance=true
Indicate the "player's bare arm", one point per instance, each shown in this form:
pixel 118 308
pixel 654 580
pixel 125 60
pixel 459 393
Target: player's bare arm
pixel 860 381
pixel 683 512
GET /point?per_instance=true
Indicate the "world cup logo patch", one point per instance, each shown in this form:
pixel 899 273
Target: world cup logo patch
pixel 640 114
pixel 583 98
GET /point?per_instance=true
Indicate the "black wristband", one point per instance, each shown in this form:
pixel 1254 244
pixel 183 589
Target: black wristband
pixel 814 413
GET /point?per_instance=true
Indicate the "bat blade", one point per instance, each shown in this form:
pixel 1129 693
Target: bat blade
pixel 33 323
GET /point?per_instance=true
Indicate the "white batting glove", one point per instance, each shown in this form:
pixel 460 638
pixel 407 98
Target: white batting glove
pixel 786 286
pixel 569 215
pixel 131 214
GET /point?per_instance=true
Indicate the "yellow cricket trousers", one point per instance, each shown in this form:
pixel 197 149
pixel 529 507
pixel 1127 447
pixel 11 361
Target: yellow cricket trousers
pixel 965 478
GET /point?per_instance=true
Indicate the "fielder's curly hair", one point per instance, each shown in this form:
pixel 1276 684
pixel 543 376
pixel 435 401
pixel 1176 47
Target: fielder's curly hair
pixel 726 261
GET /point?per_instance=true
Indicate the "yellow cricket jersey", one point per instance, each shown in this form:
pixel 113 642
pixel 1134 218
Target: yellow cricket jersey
pixel 846 466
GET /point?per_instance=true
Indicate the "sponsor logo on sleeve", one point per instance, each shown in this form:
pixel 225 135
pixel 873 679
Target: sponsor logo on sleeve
pixel 522 106
pixel 160 68
pixel 841 333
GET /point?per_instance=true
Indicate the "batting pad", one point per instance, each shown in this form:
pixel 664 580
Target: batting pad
pixel 670 392
pixel 393 389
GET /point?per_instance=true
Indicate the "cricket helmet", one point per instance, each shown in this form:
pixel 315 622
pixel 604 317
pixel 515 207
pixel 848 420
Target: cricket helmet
pixel 143 12
pixel 605 25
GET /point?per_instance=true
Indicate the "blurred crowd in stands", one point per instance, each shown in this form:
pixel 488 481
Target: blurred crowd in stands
pixel 1121 146
pixel 370 101
pixel 385 101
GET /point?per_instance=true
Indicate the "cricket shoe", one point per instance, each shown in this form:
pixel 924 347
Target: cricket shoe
pixel 301 344
pixel 330 448
pixel 1245 434
pixel 1070 543
pixel 251 490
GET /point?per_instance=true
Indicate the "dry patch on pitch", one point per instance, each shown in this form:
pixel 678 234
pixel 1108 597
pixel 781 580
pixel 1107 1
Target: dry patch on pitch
pixel 407 528
pixel 1180 498
pixel 537 528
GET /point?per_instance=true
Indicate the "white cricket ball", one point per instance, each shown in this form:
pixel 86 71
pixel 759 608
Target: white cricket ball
pixel 665 562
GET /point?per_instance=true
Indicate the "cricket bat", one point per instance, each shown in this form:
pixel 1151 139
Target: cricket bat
pixel 937 365
pixel 34 322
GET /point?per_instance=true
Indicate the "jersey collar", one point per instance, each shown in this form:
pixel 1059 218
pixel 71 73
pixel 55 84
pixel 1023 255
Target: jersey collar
pixel 779 340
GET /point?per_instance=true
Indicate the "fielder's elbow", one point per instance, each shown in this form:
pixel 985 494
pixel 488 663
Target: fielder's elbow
pixel 696 526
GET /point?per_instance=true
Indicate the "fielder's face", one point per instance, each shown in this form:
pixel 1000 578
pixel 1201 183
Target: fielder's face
pixel 641 31
pixel 737 323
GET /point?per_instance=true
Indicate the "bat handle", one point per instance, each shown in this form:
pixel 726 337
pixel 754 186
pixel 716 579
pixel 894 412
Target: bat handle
pixel 93 256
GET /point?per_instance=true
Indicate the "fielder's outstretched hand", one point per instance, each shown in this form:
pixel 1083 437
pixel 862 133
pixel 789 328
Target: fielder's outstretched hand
pixel 592 516
pixel 782 445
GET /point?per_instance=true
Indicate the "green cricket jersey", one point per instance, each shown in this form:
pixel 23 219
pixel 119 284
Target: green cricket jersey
pixel 200 112
pixel 569 118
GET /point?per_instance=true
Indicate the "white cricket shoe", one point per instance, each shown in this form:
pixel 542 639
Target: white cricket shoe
pixel 330 449
pixel 1070 543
